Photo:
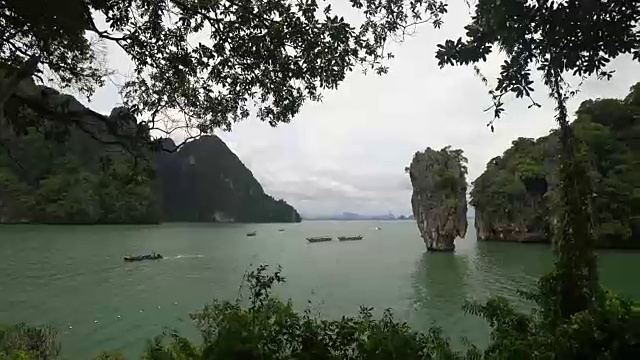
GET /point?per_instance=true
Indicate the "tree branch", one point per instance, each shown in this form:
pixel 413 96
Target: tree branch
pixel 27 69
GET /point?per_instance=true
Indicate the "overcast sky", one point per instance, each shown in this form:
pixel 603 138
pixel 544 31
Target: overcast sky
pixel 348 153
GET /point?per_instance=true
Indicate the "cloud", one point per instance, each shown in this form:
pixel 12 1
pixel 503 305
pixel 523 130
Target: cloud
pixel 348 153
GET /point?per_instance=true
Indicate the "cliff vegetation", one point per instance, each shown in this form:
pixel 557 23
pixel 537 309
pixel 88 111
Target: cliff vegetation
pixel 54 170
pixel 514 198
pixel 87 171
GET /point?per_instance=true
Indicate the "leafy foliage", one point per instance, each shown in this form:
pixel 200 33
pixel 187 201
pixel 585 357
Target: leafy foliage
pixel 78 181
pixel 603 332
pixel 108 356
pixel 267 328
pixel 553 37
pixel 21 342
pixel 212 61
pixel 276 55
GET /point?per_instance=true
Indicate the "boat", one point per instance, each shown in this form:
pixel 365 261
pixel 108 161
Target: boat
pixel 319 239
pixel 347 238
pixel 253 233
pixel 153 256
pixel 280 229
pixel 377 228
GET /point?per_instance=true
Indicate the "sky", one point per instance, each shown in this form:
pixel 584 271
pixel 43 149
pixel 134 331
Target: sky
pixel 348 152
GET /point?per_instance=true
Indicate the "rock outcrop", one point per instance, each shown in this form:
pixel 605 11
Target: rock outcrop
pixel 515 231
pixel 439 196
pixel 61 162
pixel 510 196
pixel 205 181
pixel 514 197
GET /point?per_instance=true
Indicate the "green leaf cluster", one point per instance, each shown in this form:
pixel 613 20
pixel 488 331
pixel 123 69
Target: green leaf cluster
pixel 551 37
pixel 22 342
pixel 75 181
pixel 606 331
pixel 215 62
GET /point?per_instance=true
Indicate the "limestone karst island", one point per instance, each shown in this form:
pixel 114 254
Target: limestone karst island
pixel 439 199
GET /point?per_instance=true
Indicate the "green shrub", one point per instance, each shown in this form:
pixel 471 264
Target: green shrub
pixel 264 327
pixel 606 331
pixel 268 328
pixel 22 342
pixel 108 356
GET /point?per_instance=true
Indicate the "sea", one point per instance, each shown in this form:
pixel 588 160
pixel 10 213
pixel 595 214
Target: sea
pixel 74 279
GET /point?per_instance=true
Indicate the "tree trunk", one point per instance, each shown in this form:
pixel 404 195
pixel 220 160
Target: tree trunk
pixel 574 238
pixel 9 85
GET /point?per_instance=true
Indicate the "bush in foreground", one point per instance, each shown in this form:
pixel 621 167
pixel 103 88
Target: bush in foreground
pixel 21 342
pixel 264 327
pixel 268 328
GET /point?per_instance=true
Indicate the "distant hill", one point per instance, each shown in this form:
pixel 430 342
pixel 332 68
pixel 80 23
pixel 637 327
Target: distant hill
pixel 206 181
pixel 53 173
pixel 50 173
pixel 349 216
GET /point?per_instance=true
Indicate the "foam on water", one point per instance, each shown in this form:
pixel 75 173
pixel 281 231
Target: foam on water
pixel 185 256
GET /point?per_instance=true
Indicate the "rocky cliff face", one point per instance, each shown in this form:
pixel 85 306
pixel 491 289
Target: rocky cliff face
pixel 61 162
pixel 205 181
pixel 512 207
pixel 439 196
pixel 488 229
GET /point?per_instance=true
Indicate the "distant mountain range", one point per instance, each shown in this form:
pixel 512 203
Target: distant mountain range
pixel 345 216
pixel 350 216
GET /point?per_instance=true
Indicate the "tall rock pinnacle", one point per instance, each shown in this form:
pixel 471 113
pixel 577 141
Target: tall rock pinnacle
pixel 439 199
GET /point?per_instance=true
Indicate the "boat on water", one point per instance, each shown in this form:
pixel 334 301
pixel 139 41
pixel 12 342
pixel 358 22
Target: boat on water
pixel 280 229
pixel 319 239
pixel 253 233
pixel 153 256
pixel 377 228
pixel 348 238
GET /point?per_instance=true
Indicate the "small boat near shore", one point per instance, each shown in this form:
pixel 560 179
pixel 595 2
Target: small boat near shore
pixel 253 233
pixel 319 239
pixel 153 256
pixel 349 238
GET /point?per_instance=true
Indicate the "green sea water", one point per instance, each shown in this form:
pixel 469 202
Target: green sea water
pixel 74 278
